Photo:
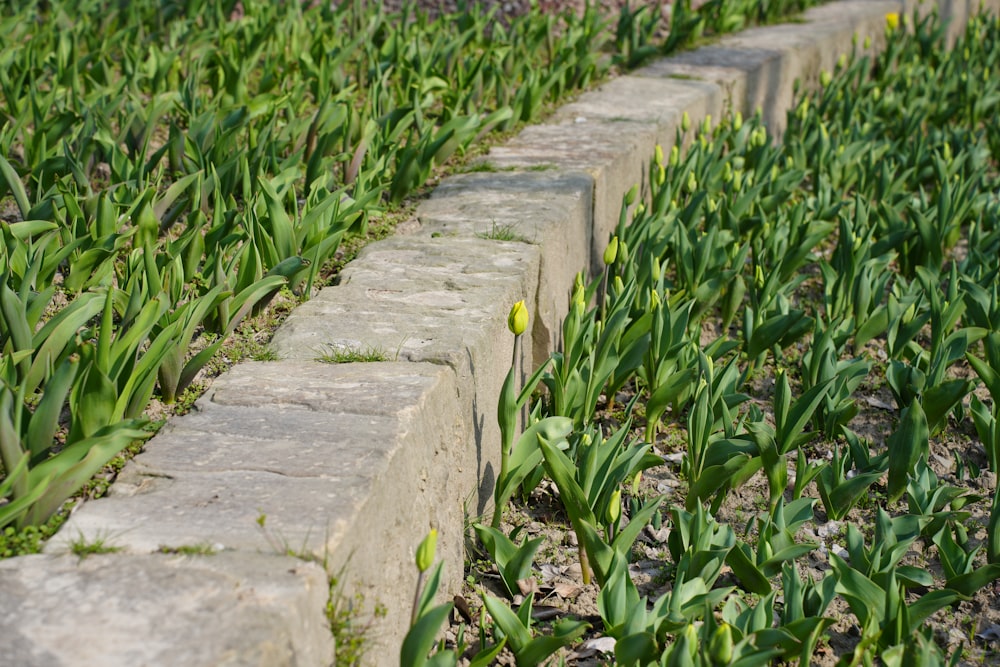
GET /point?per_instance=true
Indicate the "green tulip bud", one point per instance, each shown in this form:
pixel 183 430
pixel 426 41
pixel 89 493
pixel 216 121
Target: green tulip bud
pixel 692 182
pixel 706 124
pixel 517 319
pixel 619 285
pixel 758 277
pixel 611 252
pixel 661 175
pixel 425 552
pixel 632 193
pixel 737 121
pixel 727 172
pixel 685 122
pixel 615 507
pixel 658 155
pixel 675 156
pixel 842 61
pixel 868 43
pixel 720 647
pixel 636 481
pixel 825 78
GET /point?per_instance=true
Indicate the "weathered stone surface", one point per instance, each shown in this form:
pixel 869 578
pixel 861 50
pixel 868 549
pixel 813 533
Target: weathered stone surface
pixel 440 300
pixel 758 68
pixel 117 610
pixel 615 154
pixel 551 211
pixel 339 462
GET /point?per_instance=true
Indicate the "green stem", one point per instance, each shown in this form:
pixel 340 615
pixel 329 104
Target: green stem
pixel 507 418
pixel 416 599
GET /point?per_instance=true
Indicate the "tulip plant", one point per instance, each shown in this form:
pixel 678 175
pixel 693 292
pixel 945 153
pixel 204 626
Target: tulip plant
pixel 756 302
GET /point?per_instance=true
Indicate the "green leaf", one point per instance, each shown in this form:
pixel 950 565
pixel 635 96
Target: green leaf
pixel 75 465
pixel 9 177
pixel 421 637
pixel 906 445
pixel 741 561
pixel 971 583
pixel 518 636
pixel 45 420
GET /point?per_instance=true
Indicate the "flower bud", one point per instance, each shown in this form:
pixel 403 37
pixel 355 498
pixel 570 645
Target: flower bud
pixel 720 647
pixel 517 320
pixel 675 156
pixel 758 277
pixel 685 122
pixel 658 155
pixel 632 193
pixel 737 121
pixel 692 182
pixel 825 78
pixel 611 252
pixel 706 124
pixel 615 507
pixel 891 21
pixel 425 552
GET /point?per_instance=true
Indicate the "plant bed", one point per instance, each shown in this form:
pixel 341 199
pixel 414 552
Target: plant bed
pixel 770 432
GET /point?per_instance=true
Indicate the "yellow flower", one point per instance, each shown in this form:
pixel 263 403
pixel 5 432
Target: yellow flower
pixel 892 20
pixel 517 320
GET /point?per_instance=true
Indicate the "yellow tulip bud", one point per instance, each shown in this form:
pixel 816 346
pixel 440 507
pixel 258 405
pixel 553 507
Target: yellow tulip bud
pixel 892 21
pixel 425 552
pixel 517 320
pixel 720 647
pixel 611 252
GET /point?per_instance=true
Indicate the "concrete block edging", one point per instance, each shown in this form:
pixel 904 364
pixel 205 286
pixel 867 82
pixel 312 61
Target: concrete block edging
pixel 350 465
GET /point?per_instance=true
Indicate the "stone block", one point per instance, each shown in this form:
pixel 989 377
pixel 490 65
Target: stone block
pixel 349 465
pixel 549 210
pixel 165 610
